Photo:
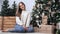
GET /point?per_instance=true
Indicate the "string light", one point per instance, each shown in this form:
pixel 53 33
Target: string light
pixel 37 16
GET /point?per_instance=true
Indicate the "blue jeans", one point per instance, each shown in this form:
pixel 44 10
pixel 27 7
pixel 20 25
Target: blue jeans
pixel 20 29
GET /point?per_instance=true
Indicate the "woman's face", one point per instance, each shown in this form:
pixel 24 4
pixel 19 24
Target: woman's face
pixel 22 6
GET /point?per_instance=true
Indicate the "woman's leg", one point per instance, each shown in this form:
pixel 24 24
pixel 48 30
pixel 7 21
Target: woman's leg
pixel 30 29
pixel 18 29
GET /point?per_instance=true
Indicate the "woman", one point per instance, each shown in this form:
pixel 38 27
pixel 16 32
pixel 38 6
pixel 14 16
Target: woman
pixel 23 19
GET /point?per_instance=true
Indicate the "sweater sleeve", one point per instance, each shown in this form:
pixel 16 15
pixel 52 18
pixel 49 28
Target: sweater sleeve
pixel 18 21
pixel 28 19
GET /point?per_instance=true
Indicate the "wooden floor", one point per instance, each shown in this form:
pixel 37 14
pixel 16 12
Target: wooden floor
pixel 23 33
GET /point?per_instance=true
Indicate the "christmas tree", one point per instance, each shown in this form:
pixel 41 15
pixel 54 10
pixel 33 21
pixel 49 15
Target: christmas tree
pixel 38 11
pixel 14 8
pixel 55 15
pixel 45 7
pixel 4 10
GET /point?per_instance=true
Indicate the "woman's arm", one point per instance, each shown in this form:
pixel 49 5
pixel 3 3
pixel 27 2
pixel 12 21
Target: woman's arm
pixel 18 21
pixel 28 20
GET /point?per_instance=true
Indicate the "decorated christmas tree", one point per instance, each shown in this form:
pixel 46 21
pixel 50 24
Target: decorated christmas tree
pixel 45 7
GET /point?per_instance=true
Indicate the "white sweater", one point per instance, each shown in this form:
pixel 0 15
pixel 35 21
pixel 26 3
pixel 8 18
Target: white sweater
pixel 25 18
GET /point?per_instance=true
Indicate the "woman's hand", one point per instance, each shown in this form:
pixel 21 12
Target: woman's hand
pixel 25 27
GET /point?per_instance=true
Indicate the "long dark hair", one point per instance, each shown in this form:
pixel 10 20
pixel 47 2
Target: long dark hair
pixel 19 10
